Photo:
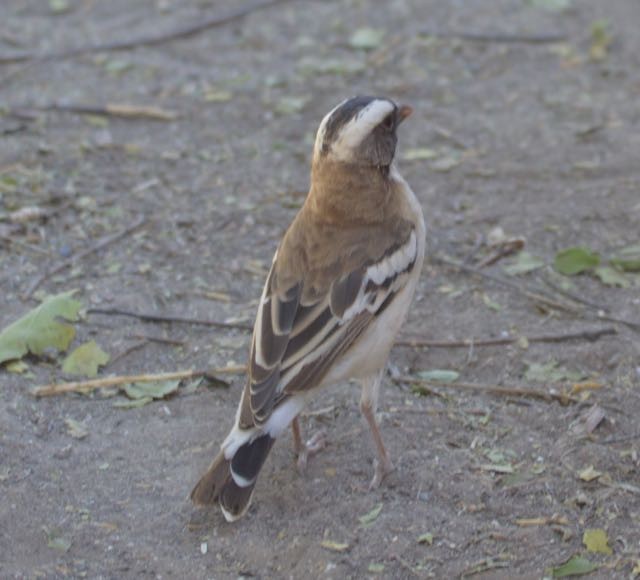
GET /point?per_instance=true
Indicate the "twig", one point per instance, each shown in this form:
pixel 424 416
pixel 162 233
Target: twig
pixel 493 390
pixel 127 351
pixel 99 245
pixel 550 38
pixel 147 317
pixel 85 386
pixel 151 39
pixel 35 249
pixel 623 439
pixel 122 110
pixel 589 335
pixel 532 295
pixel 158 339
pixel 573 296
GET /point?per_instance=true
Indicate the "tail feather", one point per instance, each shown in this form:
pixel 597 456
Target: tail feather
pixel 231 481
pixel 211 484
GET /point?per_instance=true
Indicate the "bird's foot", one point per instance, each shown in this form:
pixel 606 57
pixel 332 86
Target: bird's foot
pixel 313 446
pixel 381 470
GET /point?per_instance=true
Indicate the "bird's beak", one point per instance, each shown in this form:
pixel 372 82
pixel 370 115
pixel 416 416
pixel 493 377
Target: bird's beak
pixel 403 112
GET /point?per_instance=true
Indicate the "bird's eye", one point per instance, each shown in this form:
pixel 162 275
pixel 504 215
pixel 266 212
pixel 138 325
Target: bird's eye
pixel 388 122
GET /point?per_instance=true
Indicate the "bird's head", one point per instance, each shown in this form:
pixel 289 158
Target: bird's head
pixel 360 130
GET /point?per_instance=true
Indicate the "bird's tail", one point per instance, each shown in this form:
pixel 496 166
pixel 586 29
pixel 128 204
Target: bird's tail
pixel 231 481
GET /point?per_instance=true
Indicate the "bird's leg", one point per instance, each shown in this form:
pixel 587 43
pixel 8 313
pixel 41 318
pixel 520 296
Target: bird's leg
pixel 306 450
pixel 368 405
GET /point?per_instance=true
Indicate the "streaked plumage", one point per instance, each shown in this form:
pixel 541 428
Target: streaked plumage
pixel 339 288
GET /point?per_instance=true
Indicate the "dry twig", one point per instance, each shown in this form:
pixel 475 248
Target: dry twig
pixel 588 335
pixel 492 390
pixel 147 317
pixel 151 39
pixel 484 37
pixel 509 284
pixel 99 245
pixel 91 385
pixel 123 110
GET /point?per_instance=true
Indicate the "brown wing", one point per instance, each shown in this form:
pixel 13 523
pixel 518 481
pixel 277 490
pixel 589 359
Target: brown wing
pixel 303 328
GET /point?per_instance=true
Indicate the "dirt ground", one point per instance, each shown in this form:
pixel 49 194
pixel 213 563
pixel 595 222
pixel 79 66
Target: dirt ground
pixel 540 139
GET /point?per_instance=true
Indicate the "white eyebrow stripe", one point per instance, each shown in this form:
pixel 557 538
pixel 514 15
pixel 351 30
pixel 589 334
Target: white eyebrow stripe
pixel 323 128
pixel 354 132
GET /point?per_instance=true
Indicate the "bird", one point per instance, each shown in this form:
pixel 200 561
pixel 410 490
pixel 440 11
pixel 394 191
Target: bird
pixel 339 288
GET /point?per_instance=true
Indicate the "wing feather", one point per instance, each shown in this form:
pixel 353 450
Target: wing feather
pixel 296 341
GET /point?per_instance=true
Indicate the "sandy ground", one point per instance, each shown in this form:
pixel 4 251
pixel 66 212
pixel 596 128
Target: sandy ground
pixel 539 139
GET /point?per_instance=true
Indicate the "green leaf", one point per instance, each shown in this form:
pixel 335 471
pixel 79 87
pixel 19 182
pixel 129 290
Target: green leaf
pixel 576 566
pixel 76 429
pixel 589 473
pixel 56 541
pixel 420 154
pixel 600 40
pixel 370 517
pixel 153 390
pixel 596 540
pixel 611 277
pixel 524 262
pixel 551 5
pixel 627 264
pixel 132 404
pixel 59 6
pixel 550 372
pixel 366 38
pixel 439 375
pixel 334 546
pixel 376 568
pixel 40 328
pixel 426 539
pixel 290 105
pixel 489 303
pixel 575 260
pixel 85 360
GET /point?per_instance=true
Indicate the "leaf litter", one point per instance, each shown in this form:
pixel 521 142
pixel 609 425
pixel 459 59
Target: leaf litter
pixel 44 327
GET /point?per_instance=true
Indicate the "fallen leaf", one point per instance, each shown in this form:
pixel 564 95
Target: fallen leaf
pixel 76 429
pixel 59 6
pixel 551 5
pixel 445 164
pixel 420 154
pixel 627 264
pixel 366 38
pixel 85 360
pixel 426 539
pixel 290 105
pixel 589 473
pixel 17 367
pixel 524 263
pixel 143 393
pixel 596 540
pixel 133 404
pixel 41 328
pixel 334 546
pixel 375 568
pixel 600 40
pixel 439 375
pixel 498 468
pixel 611 277
pixel 575 260
pixel 489 303
pixel 585 386
pixel 576 566
pixel 56 540
pixel 370 517
pixel 217 96
pixel 550 372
